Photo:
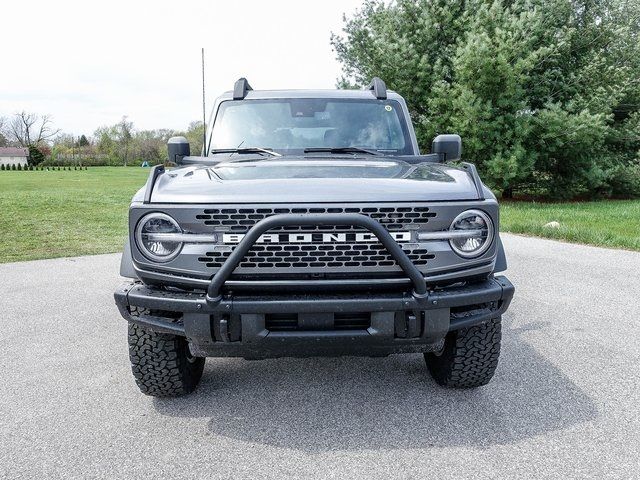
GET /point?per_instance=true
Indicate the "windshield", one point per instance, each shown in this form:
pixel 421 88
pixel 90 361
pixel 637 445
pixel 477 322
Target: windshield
pixel 288 126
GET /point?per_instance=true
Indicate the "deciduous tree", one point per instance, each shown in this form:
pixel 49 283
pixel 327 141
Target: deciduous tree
pixel 124 131
pixel 30 129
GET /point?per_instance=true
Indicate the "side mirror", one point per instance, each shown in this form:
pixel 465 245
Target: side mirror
pixel 178 148
pixel 448 146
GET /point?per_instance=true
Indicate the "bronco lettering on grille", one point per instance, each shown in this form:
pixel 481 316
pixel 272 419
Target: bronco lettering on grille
pixel 351 237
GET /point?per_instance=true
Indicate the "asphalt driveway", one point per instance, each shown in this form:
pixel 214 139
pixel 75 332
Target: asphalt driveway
pixel 565 400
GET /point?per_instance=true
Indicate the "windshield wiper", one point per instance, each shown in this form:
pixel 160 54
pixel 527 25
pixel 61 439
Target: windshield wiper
pixel 247 150
pixel 341 150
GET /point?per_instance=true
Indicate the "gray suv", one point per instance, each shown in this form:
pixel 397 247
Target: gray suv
pixel 312 225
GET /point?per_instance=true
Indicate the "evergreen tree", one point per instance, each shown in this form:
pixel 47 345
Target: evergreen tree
pixel 83 142
pixel 36 156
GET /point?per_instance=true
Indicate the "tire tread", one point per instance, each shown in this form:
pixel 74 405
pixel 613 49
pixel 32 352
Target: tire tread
pixel 159 362
pixel 470 356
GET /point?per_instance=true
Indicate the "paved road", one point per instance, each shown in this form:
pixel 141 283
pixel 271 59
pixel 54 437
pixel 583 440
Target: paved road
pixel 565 400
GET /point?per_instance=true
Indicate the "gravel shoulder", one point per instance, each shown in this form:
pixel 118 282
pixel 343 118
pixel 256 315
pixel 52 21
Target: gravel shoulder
pixel 564 401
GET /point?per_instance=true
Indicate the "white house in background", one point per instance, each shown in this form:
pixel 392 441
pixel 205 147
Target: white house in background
pixel 13 156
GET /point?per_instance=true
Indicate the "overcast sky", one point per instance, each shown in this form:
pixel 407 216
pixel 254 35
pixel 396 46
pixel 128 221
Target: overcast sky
pixel 89 63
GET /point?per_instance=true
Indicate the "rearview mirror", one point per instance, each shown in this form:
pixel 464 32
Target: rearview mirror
pixel 449 147
pixel 178 148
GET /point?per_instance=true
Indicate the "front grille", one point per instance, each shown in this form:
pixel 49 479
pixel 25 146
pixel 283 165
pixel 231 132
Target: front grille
pixel 315 257
pixel 240 220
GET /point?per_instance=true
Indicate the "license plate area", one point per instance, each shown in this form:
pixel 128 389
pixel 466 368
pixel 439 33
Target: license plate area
pixel 291 322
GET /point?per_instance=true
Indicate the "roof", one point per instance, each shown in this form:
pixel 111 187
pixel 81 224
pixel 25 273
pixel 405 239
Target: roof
pixel 265 94
pixel 13 152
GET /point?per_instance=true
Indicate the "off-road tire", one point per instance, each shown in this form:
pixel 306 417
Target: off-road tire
pixel 162 364
pixel 469 357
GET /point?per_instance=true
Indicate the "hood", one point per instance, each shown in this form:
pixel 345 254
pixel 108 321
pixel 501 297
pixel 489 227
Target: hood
pixel 298 180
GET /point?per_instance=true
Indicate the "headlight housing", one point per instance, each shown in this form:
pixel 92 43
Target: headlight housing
pixel 480 228
pixel 154 234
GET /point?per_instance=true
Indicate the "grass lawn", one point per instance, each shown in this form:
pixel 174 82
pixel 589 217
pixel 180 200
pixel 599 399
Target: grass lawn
pixel 69 213
pixel 611 223
pixel 65 213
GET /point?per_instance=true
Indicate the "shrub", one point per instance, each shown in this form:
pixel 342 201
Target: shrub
pixel 2 167
pixel 624 180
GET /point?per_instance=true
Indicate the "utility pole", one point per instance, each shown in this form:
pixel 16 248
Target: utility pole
pixel 204 113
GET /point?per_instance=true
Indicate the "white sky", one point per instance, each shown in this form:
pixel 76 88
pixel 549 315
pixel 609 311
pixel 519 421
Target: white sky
pixel 89 63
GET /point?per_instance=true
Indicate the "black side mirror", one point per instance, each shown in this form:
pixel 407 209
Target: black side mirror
pixel 178 148
pixel 449 147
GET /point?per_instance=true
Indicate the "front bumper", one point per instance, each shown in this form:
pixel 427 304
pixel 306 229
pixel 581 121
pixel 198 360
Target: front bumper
pixel 314 324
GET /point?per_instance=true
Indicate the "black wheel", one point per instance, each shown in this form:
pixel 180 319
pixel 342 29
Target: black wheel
pixel 162 363
pixel 469 357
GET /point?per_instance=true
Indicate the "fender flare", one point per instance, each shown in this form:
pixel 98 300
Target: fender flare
pixel 501 258
pixel 126 262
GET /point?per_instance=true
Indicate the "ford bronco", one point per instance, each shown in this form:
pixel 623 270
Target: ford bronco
pixel 311 225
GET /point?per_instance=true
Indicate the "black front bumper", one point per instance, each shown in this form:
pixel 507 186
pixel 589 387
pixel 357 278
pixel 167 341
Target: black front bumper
pixel 314 324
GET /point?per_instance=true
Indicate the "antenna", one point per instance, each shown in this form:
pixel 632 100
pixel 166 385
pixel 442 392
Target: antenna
pixel 204 113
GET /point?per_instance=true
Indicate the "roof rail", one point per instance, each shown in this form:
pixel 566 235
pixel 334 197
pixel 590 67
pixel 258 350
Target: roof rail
pixel 379 88
pixel 240 88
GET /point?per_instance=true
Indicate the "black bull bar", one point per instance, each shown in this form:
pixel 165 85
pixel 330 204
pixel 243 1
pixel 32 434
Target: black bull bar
pixel 317 219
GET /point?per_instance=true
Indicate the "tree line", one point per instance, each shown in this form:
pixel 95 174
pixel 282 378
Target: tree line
pixel 119 144
pixel 545 93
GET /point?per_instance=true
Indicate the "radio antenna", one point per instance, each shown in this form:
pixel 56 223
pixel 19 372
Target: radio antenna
pixel 204 113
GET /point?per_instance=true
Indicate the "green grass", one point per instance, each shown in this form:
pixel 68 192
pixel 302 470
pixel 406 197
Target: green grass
pixel 611 223
pixel 69 213
pixel 65 213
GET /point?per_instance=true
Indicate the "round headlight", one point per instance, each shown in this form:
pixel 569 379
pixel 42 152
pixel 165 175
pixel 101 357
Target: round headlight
pixel 480 229
pixel 153 236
